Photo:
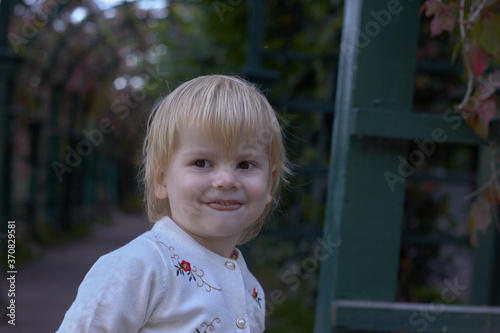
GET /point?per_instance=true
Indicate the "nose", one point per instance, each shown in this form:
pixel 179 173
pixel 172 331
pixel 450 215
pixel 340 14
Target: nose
pixel 225 178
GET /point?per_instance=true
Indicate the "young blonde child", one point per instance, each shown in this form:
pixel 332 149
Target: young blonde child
pixel 214 159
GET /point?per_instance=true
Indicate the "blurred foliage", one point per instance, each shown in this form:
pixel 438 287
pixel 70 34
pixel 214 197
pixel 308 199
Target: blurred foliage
pixel 435 233
pixel 435 236
pixel 84 65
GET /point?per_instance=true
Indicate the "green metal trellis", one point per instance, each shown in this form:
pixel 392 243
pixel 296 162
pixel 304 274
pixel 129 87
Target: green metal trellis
pixel 51 201
pixel 373 122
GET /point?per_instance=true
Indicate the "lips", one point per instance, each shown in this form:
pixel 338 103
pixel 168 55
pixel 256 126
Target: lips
pixel 224 204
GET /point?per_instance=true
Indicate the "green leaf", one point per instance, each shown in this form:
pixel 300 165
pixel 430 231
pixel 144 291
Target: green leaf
pixel 481 128
pixel 477 124
pixel 456 51
pixel 487 33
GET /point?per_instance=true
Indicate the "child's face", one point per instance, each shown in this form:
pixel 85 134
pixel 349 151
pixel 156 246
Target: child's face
pixel 215 196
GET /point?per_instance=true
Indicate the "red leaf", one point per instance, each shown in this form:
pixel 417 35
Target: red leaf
pixel 442 20
pixel 432 7
pixel 478 125
pixel 488 86
pixel 491 194
pixel 478 58
pixel 480 214
pixel 486 110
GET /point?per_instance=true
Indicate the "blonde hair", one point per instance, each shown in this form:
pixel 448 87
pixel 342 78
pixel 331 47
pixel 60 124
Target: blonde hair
pixel 227 109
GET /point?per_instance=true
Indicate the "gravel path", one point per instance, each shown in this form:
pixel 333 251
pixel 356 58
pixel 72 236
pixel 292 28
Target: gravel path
pixel 45 288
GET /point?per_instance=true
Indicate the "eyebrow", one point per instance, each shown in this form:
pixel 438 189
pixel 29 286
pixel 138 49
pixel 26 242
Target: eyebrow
pixel 197 152
pixel 254 155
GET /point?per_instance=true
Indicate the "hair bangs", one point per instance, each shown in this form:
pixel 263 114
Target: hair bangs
pixel 224 111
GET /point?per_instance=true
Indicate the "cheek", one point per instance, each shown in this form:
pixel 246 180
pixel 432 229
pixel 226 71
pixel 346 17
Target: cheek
pixel 188 187
pixel 261 190
pixel 185 199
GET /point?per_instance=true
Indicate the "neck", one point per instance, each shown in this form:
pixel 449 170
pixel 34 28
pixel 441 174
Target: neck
pixel 223 248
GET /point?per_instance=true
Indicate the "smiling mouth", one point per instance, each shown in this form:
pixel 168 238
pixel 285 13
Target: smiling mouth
pixel 224 205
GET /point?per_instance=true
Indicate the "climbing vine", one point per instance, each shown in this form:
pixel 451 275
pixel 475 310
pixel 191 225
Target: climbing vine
pixel 476 24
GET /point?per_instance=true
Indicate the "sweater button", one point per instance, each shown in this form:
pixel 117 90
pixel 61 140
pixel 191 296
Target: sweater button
pixel 241 323
pixel 230 265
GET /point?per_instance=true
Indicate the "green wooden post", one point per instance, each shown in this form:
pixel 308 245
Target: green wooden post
pixel 35 127
pixel 379 44
pixel 253 58
pixel 485 255
pixel 254 35
pixel 112 181
pixel 8 64
pixel 53 203
pixel 88 185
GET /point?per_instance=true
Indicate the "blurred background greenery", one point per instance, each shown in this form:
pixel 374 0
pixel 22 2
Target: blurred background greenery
pixel 86 73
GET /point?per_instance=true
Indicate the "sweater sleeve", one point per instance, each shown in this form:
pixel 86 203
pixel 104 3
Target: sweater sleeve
pixel 120 292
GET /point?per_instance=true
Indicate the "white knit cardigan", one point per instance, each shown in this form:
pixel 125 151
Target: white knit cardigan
pixel 165 281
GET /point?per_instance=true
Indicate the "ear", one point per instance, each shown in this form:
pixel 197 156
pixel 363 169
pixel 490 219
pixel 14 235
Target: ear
pixel 161 187
pixel 273 173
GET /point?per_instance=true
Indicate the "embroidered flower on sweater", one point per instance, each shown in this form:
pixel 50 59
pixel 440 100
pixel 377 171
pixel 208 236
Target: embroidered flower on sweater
pixel 255 295
pixel 184 268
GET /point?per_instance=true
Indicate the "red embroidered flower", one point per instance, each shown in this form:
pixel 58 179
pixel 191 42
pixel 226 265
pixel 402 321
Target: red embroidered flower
pixel 186 266
pixel 254 294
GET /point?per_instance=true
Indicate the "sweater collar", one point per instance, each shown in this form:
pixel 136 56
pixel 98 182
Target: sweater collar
pixel 169 228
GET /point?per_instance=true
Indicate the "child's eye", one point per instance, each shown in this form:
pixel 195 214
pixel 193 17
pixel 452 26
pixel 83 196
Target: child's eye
pixel 246 165
pixel 201 164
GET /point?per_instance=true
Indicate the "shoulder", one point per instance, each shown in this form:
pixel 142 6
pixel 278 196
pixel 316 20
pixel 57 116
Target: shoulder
pixel 140 252
pixel 103 303
pixel 139 261
pixel 140 247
